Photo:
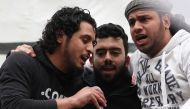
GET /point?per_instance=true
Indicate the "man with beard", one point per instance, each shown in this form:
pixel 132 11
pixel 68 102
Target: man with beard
pixel 110 74
pixel 162 61
pixel 52 80
pixel 108 67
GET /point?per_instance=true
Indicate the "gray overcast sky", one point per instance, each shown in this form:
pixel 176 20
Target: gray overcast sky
pixel 23 20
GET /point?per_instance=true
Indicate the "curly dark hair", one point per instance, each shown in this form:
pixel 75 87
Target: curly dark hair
pixel 66 20
pixel 112 30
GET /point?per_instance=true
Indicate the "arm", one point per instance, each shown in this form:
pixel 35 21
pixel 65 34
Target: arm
pixel 15 87
pixel 185 65
pixel 86 95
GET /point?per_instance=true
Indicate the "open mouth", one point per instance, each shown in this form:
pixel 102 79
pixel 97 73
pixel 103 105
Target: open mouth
pixel 141 39
pixel 85 57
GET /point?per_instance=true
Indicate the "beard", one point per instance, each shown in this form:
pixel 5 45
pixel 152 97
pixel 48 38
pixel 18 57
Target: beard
pixel 71 67
pixel 106 80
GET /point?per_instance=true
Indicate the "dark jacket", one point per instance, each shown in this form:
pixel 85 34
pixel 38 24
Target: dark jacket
pixel 28 83
pixel 120 95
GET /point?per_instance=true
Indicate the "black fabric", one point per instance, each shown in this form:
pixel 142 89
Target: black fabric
pixel 120 95
pixel 28 83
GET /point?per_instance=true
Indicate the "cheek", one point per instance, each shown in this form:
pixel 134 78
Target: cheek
pixel 74 53
pixel 120 61
pixel 97 61
pixel 132 34
pixel 131 31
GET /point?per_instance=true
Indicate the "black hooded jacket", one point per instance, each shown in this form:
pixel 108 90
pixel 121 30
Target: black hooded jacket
pixel 28 83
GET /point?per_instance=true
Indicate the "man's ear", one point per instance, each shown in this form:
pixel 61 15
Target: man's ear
pixel 127 60
pixel 60 37
pixel 166 21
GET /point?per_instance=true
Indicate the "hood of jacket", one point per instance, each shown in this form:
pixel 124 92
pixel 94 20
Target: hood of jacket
pixel 176 40
pixel 51 68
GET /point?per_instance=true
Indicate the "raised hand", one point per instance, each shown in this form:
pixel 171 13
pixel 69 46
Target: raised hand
pixel 85 96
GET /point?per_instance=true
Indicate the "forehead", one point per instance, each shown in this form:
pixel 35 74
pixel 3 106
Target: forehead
pixel 109 42
pixel 86 29
pixel 142 12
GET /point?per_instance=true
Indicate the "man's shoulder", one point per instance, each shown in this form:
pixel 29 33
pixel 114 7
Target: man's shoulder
pixel 135 56
pixel 19 62
pixel 20 57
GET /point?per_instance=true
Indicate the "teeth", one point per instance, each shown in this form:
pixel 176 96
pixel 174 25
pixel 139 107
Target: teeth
pixel 85 57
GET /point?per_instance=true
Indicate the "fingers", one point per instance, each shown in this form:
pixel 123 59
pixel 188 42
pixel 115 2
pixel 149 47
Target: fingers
pixel 95 102
pixel 25 48
pixel 98 89
pixel 99 96
pixel 88 95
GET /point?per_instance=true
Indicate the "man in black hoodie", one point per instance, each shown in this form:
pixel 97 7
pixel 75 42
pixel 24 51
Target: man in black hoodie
pixel 52 80
pixel 110 72
pixel 108 68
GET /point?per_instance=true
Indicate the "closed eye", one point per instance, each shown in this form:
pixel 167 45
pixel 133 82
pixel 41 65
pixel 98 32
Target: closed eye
pixel 131 22
pixel 115 52
pixel 86 39
pixel 101 52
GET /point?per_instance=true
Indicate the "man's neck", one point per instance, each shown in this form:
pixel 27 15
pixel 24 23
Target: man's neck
pixel 56 61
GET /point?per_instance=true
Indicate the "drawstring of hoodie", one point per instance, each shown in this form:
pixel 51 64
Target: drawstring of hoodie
pixel 163 82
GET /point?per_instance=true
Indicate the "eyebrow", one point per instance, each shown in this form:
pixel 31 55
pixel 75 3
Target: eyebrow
pixel 111 48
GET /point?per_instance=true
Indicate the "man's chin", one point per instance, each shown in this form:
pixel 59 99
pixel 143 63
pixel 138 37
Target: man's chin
pixel 107 79
pixel 80 69
pixel 76 71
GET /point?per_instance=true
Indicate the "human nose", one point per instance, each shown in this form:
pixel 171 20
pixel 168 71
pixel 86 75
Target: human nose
pixel 108 56
pixel 90 48
pixel 137 28
pixel 108 59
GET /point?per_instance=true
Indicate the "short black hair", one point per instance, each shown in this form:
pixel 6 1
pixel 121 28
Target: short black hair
pixel 66 20
pixel 112 30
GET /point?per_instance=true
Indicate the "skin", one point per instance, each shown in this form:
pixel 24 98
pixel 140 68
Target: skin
pixel 149 31
pixel 109 57
pixel 83 97
pixel 115 53
pixel 72 53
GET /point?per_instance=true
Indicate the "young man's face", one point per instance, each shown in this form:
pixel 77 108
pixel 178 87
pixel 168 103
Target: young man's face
pixel 78 49
pixel 148 30
pixel 109 57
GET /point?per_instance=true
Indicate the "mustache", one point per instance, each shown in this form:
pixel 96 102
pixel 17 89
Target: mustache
pixel 140 36
pixel 108 66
